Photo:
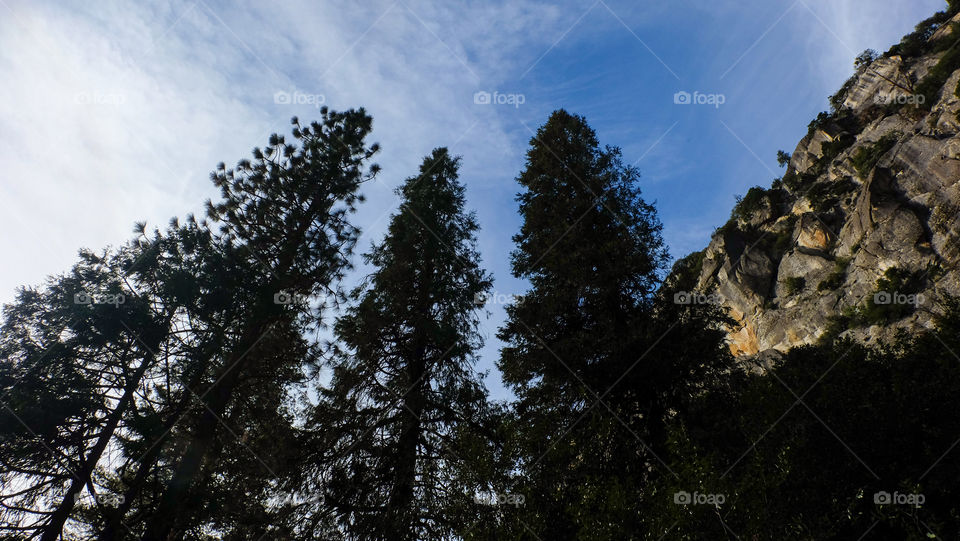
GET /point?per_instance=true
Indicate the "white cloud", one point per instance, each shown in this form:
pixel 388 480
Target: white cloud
pixel 116 112
pixel 100 128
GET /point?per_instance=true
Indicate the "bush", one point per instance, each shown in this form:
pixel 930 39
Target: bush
pixel 686 271
pixel 836 100
pixel 894 281
pixel 867 156
pixel 836 324
pixel 795 182
pixel 794 285
pixel 831 149
pixel 818 122
pixel 864 59
pixel 835 279
pixel 824 196
pixel 749 204
pixel 783 158
pixel 728 227
pixel 915 43
pixel 938 75
pixel 791 181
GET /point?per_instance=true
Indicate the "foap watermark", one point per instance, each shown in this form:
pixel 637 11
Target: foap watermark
pixel 895 297
pixel 111 500
pixel 699 98
pixel 116 299
pixel 695 297
pixel 886 498
pixel 292 297
pixel 99 98
pixel 899 99
pixel 282 97
pixel 495 297
pixel 296 501
pixel 696 498
pixel 483 97
pixel 495 498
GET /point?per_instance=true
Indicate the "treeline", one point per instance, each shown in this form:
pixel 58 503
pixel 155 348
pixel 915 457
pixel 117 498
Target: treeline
pixel 177 387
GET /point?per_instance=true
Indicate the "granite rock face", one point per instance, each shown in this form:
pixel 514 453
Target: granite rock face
pixel 874 186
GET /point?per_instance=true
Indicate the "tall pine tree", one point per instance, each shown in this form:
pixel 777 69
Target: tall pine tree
pixel 285 237
pixel 388 433
pixel 591 352
pixel 73 356
pixel 171 402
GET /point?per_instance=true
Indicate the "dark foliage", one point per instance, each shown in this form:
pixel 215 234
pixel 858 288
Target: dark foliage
pixel 867 157
pixel 404 412
pixel 824 446
pixel 585 351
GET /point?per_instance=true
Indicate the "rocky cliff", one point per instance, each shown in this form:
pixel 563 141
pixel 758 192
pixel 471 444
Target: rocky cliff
pixel 861 236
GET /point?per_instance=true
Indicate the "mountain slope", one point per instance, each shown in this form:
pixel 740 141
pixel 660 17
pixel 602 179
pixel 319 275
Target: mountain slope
pixel 862 234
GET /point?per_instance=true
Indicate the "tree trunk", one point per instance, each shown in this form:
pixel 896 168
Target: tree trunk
pixel 54 529
pixel 169 511
pixel 165 517
pixel 401 494
pixel 147 462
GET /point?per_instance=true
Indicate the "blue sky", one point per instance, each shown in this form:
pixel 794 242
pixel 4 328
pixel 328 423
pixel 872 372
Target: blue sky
pixel 113 112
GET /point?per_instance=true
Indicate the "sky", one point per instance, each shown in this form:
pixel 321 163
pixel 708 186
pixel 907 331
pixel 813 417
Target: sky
pixel 114 112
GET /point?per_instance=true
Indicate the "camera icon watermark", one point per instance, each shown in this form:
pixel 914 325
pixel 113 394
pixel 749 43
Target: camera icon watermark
pixel 686 498
pixel 483 97
pixel 885 498
pixel 894 297
pixel 695 297
pixel 282 97
pixel 481 299
pixel 83 297
pixel 285 297
pixel 683 97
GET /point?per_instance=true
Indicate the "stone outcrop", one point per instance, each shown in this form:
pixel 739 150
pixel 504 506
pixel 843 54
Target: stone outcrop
pixel 873 186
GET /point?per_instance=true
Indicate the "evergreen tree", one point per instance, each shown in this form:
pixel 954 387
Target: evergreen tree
pixel 596 361
pixel 871 422
pixel 170 403
pixel 285 238
pixel 73 355
pixel 388 433
pixel 210 287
